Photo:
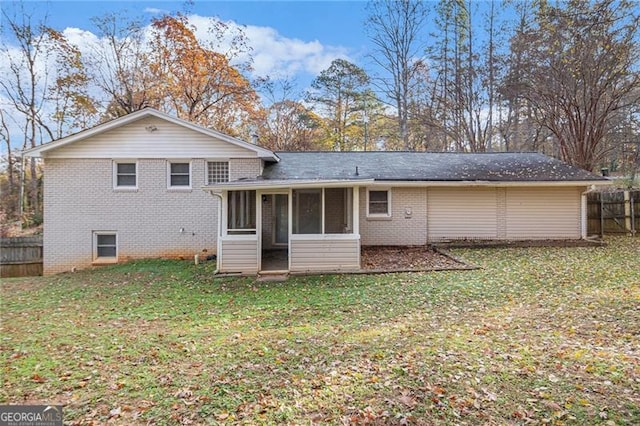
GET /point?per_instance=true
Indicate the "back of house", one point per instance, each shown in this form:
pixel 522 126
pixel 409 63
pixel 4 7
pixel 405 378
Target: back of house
pixel 150 185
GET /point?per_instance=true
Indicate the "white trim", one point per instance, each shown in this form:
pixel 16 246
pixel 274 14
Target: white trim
pixel 179 187
pixel 290 226
pixel 583 215
pixel 473 183
pixel 137 115
pixel 303 184
pixel 285 185
pixel 274 231
pixel 356 210
pixel 226 214
pixel 311 237
pixel 114 177
pixel 322 209
pixel 248 237
pixel 389 212
pixel 104 259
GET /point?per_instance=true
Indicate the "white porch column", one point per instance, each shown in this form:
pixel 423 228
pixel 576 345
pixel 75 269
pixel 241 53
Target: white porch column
pixel 583 215
pixel 356 210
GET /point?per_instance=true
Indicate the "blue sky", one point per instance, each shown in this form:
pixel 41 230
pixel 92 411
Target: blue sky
pixel 306 35
pixel 292 39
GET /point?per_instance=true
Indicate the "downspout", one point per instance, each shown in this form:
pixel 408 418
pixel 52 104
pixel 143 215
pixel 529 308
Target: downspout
pixel 21 200
pixel 584 212
pixel 218 242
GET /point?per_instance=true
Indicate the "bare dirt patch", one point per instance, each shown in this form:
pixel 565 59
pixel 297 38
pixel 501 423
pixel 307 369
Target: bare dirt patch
pixel 418 258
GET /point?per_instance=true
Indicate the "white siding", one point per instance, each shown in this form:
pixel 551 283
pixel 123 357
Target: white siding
pixel 543 213
pixel 324 254
pixel 239 255
pixel 169 140
pixel 462 213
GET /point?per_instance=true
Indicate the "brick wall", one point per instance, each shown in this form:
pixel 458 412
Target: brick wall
pixel 244 168
pixel 151 221
pixel 401 228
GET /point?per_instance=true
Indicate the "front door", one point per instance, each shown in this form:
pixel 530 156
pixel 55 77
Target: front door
pixel 275 232
pixel 281 219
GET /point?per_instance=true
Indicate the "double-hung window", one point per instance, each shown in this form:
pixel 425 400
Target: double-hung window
pixel 378 203
pixel 179 175
pixel 125 175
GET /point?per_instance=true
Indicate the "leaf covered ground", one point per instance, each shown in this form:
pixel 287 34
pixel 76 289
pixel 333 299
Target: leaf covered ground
pixel 390 258
pixel 537 336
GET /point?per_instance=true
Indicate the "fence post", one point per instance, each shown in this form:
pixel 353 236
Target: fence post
pixel 601 215
pixel 627 213
pixel 633 213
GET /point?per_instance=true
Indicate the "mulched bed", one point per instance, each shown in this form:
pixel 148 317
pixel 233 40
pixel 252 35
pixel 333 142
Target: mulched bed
pixel 421 258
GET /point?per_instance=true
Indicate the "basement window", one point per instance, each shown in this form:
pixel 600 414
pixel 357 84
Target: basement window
pixel 105 247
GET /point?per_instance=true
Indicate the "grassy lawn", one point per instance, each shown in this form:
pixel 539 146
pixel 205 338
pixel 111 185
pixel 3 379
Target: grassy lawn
pixel 538 335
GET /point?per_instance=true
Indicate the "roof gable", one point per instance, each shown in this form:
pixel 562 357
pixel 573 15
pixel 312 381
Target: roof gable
pixel 149 133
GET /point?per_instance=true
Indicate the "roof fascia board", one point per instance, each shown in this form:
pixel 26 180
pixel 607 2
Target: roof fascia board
pixel 232 186
pixel 469 183
pixel 389 183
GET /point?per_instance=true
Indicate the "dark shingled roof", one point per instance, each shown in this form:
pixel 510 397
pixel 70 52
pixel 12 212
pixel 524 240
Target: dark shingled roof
pixel 423 166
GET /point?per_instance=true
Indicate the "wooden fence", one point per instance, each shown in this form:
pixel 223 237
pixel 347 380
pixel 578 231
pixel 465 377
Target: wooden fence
pixel 616 212
pixel 21 256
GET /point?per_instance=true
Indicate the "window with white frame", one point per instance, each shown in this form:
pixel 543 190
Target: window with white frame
pixel 105 246
pixel 217 172
pixel 179 174
pixel 241 217
pixel 378 203
pixel 125 174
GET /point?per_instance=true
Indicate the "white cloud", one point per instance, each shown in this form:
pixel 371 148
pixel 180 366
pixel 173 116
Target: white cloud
pixel 155 11
pixel 275 55
pixel 80 38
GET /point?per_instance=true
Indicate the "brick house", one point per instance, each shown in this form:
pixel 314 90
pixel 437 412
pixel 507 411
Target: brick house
pixel 151 185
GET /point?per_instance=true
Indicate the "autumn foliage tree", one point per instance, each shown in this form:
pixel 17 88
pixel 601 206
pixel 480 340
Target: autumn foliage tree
pixel 198 83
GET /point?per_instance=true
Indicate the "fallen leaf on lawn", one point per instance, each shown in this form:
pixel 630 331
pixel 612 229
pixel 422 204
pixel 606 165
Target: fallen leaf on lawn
pixel 115 412
pixel 183 393
pixel 38 378
pixel 408 400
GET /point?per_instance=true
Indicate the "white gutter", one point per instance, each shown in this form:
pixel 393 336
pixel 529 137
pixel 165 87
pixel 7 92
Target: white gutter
pixel 483 183
pixel 284 184
pixel 219 236
pixel 277 185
